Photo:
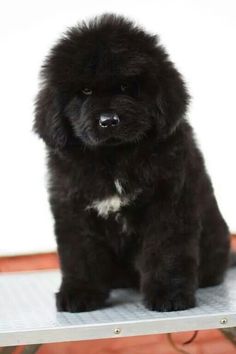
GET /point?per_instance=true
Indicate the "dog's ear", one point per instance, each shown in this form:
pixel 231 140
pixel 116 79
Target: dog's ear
pixel 172 98
pixel 49 122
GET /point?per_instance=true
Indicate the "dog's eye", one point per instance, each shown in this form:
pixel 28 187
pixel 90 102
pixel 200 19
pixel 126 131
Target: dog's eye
pixel 131 89
pixel 87 91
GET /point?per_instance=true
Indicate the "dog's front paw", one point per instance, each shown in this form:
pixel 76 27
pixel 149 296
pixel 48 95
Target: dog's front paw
pixel 175 302
pixel 79 300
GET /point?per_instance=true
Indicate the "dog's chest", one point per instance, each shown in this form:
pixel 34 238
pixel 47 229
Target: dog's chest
pixel 112 204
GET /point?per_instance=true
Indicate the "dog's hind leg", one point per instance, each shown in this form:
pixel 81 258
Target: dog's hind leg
pixel 214 247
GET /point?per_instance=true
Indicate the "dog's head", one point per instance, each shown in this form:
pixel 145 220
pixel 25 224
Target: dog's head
pixel 108 83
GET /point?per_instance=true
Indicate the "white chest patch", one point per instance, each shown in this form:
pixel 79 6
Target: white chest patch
pixel 118 186
pixel 109 205
pixel 114 203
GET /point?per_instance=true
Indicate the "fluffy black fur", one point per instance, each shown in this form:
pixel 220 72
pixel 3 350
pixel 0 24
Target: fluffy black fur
pixel 132 201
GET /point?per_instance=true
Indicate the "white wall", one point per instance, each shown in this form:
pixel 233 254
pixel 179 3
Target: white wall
pixel 200 36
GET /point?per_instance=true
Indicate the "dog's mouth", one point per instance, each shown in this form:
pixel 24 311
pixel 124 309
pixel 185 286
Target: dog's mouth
pixel 112 141
pixel 91 140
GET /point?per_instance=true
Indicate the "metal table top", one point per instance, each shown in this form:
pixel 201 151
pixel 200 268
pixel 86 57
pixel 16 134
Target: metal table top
pixel 28 314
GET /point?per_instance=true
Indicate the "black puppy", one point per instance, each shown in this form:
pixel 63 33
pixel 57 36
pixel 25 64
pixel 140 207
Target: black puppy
pixel 132 201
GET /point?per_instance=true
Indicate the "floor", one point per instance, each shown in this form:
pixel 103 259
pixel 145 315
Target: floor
pixel 205 342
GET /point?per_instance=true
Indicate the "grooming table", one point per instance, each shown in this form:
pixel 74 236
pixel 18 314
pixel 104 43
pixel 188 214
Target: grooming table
pixel 28 314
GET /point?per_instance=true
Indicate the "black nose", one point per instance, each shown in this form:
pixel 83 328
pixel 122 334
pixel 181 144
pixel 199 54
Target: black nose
pixel 108 120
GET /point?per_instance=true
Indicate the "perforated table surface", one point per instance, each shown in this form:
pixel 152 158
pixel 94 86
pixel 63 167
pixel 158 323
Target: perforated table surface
pixel 28 314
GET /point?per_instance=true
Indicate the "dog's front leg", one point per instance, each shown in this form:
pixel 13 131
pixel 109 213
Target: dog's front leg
pixel 86 264
pixel 168 262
